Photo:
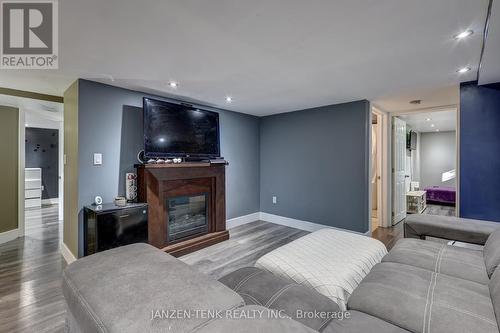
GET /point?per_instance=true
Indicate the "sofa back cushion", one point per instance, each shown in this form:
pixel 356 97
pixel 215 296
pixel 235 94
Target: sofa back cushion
pixel 495 294
pixel 491 252
pixel 259 287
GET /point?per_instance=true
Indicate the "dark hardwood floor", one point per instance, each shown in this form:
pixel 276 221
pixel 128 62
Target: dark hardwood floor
pixel 246 244
pixel 31 299
pixel 389 236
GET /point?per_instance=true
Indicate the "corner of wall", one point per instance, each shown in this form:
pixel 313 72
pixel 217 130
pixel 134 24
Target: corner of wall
pixel 70 225
pixel 9 177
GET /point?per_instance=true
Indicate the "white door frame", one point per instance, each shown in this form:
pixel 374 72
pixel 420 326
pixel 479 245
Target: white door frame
pixel 383 156
pixel 22 165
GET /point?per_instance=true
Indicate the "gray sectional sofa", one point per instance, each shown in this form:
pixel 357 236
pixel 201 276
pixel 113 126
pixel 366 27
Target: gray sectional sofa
pixel 420 286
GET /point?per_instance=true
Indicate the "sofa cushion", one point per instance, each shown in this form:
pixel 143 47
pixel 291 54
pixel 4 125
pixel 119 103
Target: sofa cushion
pixel 448 227
pixel 440 258
pixel 495 293
pixel 325 261
pixel 259 287
pixel 420 300
pixel 492 252
pixel 252 319
pixel 127 288
pixel 359 322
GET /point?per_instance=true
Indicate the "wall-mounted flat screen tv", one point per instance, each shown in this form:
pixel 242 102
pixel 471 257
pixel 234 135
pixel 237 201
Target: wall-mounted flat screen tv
pixel 411 140
pixel 175 130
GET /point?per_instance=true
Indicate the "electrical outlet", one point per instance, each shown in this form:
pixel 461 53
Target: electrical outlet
pixel 275 200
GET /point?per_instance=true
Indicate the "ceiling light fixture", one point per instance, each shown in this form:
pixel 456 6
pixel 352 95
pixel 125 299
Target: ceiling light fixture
pixel 428 119
pixel 463 70
pixel 229 99
pixel 437 130
pixel 432 125
pixel 463 34
pixel 26 125
pixel 173 84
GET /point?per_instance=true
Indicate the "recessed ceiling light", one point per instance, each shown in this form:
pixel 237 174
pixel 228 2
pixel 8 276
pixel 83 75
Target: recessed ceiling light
pixel 432 125
pixel 229 99
pixel 428 119
pixel 173 84
pixel 463 34
pixel 437 130
pixel 463 70
pixel 26 125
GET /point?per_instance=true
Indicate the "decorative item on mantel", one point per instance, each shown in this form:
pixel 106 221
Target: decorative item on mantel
pixel 120 201
pixel 131 186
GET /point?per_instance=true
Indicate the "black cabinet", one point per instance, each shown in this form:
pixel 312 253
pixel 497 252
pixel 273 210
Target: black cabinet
pixel 108 226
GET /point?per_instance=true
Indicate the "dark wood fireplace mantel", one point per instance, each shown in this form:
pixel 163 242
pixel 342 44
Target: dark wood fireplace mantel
pixel 159 182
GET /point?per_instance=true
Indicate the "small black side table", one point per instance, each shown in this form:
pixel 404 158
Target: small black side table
pixel 107 226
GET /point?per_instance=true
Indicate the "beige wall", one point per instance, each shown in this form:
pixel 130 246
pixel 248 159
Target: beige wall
pixel 71 168
pixel 9 151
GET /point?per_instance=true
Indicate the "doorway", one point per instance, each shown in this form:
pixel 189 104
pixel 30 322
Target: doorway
pixel 39 161
pixel 43 166
pixel 425 163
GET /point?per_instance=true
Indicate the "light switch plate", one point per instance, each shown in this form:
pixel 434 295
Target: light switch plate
pixel 97 159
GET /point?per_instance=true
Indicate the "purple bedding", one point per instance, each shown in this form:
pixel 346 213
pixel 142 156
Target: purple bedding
pixel 441 194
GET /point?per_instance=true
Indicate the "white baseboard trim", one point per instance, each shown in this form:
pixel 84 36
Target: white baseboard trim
pixel 53 201
pixel 241 220
pixel 302 225
pixel 67 255
pixel 282 220
pixel 9 236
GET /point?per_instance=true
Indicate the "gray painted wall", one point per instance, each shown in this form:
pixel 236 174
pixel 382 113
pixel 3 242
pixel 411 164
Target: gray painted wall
pixel 110 122
pixel 316 162
pixel 437 155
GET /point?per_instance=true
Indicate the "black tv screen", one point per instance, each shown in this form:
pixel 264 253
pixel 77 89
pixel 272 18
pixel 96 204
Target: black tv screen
pixel 173 130
pixel 411 141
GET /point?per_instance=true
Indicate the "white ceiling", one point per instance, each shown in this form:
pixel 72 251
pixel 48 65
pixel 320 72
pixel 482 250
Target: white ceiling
pixel 443 121
pixel 53 110
pixel 490 67
pixel 430 98
pixel 271 56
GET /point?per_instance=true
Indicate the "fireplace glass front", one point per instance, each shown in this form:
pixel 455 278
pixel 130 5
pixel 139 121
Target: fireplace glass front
pixel 187 216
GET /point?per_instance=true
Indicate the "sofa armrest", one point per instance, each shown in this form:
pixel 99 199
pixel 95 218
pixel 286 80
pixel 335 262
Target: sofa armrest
pixel 448 227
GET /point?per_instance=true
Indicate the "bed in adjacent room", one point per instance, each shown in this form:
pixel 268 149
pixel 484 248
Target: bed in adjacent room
pixel 441 195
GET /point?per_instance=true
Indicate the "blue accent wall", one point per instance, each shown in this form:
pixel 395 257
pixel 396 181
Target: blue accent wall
pixel 316 162
pixel 480 151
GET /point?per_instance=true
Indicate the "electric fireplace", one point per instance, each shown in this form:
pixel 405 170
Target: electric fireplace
pixel 186 202
pixel 187 216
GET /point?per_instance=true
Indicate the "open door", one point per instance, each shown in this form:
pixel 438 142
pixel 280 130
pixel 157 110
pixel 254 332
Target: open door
pixel 398 165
